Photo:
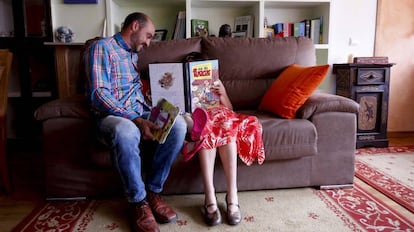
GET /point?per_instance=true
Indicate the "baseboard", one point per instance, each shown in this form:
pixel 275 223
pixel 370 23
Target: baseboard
pixel 400 134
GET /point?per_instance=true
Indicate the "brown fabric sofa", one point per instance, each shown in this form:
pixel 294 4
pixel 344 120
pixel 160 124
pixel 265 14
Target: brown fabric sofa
pixel 314 149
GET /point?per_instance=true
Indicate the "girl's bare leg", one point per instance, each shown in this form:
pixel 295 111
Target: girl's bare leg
pixel 207 160
pixel 228 156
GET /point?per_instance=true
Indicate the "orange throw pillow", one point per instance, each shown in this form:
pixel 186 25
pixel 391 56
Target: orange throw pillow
pixel 292 88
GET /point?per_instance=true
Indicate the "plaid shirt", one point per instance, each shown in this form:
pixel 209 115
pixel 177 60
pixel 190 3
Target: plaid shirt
pixel 113 79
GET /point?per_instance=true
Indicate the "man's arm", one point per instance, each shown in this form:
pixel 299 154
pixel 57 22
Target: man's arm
pixel 99 67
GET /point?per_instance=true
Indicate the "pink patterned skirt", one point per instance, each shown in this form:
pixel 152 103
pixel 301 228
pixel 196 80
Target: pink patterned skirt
pixel 225 125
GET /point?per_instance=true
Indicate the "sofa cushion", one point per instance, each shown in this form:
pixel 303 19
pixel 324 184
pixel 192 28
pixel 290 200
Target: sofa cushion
pixel 70 107
pixel 245 63
pixel 324 102
pixel 292 88
pixel 286 139
pixel 162 52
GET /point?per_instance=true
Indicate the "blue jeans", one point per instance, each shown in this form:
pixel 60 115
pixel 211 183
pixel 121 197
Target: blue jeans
pixel 123 138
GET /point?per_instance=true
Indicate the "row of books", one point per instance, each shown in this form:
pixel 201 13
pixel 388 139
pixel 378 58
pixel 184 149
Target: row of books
pixel 311 28
pixel 243 27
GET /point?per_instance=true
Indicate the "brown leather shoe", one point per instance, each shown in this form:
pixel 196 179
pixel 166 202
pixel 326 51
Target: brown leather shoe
pixel 142 218
pixel 233 218
pixel 211 219
pixel 162 212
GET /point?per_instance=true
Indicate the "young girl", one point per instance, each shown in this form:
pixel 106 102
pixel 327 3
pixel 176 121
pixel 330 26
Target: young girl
pixel 228 134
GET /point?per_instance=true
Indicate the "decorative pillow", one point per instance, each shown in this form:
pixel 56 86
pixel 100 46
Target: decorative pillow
pixel 291 89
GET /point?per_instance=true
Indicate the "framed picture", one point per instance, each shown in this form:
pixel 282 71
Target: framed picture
pixel 80 1
pixel 239 34
pixel 159 35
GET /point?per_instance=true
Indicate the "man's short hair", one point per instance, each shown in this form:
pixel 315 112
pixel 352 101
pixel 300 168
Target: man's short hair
pixel 140 17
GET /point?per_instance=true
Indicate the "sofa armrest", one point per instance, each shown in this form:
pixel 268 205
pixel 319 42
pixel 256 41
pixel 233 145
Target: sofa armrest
pixel 323 102
pixel 70 107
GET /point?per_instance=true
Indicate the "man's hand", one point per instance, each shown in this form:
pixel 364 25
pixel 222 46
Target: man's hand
pixel 146 127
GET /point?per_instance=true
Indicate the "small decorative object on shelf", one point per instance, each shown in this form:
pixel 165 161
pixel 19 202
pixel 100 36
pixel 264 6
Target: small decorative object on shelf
pixel 371 60
pixel 269 32
pixel 64 34
pixel 367 84
pixel 225 31
pixel 159 35
pixel 199 27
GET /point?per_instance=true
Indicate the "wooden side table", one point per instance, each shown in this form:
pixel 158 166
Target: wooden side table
pixel 67 67
pixel 367 84
pixel 6 58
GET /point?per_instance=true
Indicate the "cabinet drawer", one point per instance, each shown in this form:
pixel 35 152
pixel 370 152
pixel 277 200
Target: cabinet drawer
pixel 369 76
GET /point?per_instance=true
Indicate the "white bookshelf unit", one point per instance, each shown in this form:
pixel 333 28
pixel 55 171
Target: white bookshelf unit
pixel 219 12
pixel 163 13
pixel 105 18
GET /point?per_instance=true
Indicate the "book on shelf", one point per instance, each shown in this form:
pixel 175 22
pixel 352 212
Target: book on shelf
pixel 299 29
pixel 287 29
pixel 163 114
pixel 315 30
pixel 321 30
pixel 278 28
pixel 186 85
pixel 283 29
pixel 199 27
pixel 179 29
pixel 244 23
pixel 307 23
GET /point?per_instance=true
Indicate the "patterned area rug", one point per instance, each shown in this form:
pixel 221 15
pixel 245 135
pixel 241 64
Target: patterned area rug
pixel 390 171
pixel 302 209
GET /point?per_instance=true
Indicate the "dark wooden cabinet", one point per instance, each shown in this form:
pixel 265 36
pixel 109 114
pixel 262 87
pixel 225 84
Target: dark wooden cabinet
pixel 26 28
pixel 367 84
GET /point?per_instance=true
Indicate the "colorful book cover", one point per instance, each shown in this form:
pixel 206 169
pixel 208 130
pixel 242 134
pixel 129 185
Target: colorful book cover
pixel 166 81
pixel 299 29
pixel 199 27
pixel 185 85
pixel 278 27
pixel 202 76
pixel 163 114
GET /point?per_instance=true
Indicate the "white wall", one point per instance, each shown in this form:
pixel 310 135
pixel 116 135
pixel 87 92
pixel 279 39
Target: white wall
pixel 351 20
pixel 85 20
pixel 355 20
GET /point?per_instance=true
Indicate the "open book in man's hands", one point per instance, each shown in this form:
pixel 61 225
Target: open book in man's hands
pixel 163 115
pixel 187 85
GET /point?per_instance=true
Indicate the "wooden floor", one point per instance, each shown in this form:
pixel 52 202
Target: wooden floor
pixel 27 177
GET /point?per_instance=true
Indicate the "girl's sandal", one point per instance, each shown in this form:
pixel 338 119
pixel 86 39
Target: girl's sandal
pixel 200 118
pixel 190 149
